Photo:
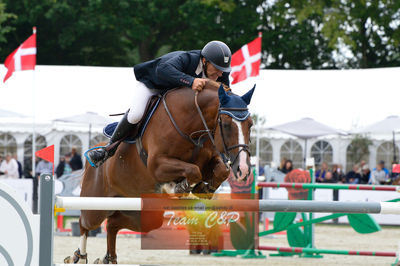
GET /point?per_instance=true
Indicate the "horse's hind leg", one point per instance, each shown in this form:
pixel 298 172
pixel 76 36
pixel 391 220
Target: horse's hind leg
pixel 114 223
pixel 131 220
pixel 80 255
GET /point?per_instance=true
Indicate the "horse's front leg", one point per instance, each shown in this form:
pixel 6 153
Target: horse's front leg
pixel 214 174
pixel 168 170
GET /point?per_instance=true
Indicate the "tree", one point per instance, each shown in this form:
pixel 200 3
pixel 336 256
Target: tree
pixel 126 32
pixel 364 33
pixel 358 149
pixel 4 17
pixel 292 41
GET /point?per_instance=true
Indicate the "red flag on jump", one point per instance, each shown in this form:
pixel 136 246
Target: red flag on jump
pixel 23 58
pixel 46 153
pixel 246 61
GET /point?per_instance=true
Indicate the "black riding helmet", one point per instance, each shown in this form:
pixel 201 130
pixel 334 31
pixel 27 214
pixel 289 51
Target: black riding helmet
pixel 218 54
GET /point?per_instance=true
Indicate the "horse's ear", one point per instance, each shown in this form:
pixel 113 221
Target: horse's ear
pixel 247 97
pixel 223 97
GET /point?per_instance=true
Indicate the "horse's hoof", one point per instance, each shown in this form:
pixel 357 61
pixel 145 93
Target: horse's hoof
pixel 194 252
pixel 108 259
pixel 182 187
pixel 68 260
pixel 79 258
pixel 97 261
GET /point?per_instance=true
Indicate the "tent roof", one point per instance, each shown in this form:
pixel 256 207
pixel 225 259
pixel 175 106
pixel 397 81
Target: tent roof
pixel 86 118
pixel 307 128
pixel 5 113
pixel 387 125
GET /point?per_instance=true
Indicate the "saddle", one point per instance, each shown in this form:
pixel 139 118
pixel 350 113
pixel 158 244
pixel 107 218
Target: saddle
pixel 151 106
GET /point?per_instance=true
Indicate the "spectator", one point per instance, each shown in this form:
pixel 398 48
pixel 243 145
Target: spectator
pixel 360 166
pixel 379 176
pixel 320 173
pixel 28 168
pixel 19 166
pixel 382 165
pixel 9 167
pixel 365 174
pixel 337 173
pixel 393 175
pixel 63 167
pixel 353 176
pixel 287 167
pixel 76 160
pixel 1 160
pixel 282 165
pixel 329 178
pixel 44 167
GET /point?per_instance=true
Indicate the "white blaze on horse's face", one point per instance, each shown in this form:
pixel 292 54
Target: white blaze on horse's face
pixel 244 168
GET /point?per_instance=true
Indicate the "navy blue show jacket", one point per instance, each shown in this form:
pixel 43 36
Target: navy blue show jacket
pixel 175 69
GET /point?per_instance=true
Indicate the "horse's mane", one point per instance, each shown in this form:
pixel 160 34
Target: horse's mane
pixel 214 85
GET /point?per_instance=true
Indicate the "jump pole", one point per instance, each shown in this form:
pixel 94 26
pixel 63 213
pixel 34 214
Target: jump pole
pixel 329 251
pixel 328 186
pixel 135 204
pixel 47 216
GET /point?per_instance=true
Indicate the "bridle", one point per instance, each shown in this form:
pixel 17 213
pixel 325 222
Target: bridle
pixel 242 147
pixel 200 140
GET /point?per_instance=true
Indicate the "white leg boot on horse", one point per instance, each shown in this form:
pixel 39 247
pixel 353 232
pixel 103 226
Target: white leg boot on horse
pixel 123 129
pixel 80 255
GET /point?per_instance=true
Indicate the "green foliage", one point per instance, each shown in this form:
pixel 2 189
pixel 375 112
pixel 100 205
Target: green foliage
pixel 297 34
pixel 4 17
pixel 258 119
pixel 126 32
pixel 293 38
pixel 367 29
pixel 358 149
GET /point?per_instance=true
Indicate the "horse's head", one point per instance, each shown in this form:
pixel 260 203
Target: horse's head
pixel 234 131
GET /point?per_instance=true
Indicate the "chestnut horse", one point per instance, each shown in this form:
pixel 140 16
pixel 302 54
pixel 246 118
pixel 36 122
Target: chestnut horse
pixel 177 162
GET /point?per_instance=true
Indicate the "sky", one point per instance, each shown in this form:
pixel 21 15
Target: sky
pixel 343 99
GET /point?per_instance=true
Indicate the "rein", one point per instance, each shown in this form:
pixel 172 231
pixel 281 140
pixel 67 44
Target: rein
pixel 201 140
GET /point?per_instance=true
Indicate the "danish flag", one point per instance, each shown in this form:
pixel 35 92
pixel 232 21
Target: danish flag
pixel 23 58
pixel 246 61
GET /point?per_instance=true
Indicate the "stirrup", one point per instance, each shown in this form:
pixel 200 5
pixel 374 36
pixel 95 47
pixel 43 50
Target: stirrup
pixel 95 148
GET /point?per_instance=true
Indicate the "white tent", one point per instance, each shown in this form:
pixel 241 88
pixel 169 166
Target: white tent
pixel 89 119
pixel 307 128
pixel 5 113
pixel 281 95
pixel 389 125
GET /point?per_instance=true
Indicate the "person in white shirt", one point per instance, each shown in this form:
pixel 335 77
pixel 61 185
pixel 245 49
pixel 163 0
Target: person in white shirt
pixel 9 167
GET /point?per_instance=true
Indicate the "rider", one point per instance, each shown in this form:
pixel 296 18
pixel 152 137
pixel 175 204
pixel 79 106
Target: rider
pixel 175 69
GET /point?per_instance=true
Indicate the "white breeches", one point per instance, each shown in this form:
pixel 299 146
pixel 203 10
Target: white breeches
pixel 142 95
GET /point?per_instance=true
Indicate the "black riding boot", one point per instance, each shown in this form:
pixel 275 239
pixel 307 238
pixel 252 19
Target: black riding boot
pixel 123 129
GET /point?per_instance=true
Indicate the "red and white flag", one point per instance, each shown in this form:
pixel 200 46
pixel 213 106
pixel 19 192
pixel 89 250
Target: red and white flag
pixel 246 61
pixel 23 58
